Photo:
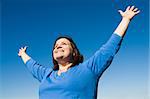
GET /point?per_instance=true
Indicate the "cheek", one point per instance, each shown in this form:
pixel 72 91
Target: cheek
pixel 54 55
pixel 68 51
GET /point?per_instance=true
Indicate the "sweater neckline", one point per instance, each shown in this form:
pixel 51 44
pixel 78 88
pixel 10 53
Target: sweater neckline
pixel 64 73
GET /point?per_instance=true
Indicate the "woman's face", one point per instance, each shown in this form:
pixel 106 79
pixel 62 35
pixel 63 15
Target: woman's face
pixel 62 50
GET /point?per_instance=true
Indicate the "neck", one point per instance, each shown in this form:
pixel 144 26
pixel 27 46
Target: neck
pixel 65 66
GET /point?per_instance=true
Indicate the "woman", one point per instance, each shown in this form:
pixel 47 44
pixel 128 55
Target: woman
pixel 71 78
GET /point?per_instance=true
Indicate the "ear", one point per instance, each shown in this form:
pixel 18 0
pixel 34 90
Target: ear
pixel 74 54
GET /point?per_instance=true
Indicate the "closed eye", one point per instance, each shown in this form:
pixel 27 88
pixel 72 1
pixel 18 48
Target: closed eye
pixel 64 43
pixel 55 46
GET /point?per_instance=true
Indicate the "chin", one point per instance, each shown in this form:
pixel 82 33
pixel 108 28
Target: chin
pixel 59 57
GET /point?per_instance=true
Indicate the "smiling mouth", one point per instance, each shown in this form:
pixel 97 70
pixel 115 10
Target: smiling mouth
pixel 61 50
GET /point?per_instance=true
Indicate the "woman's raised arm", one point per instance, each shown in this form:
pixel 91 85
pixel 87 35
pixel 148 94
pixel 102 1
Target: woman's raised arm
pixel 126 18
pixel 37 70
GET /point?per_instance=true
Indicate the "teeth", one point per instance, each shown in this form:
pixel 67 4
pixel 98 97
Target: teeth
pixel 59 51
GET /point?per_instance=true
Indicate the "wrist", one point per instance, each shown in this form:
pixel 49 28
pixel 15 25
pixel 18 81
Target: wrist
pixel 126 18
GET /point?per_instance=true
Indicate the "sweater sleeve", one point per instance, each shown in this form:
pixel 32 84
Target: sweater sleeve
pixel 38 71
pixel 99 62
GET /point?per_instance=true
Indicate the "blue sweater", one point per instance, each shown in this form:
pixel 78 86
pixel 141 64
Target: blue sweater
pixel 78 82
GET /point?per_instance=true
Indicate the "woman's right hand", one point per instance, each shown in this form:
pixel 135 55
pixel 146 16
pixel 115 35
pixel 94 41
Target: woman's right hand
pixel 22 50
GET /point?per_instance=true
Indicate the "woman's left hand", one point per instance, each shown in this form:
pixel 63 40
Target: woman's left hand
pixel 130 12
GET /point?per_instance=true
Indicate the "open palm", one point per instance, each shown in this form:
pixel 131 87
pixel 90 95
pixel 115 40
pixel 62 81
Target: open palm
pixel 130 12
pixel 22 50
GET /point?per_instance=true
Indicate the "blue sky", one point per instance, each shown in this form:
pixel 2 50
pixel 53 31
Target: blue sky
pixel 37 23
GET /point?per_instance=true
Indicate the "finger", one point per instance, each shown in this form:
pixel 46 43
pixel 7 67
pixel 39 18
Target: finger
pixel 137 12
pixel 25 47
pixel 18 54
pixel 128 8
pixel 120 11
pixel 135 9
pixel 132 8
pixel 21 48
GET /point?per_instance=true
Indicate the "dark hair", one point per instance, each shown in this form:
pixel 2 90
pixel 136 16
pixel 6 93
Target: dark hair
pixel 77 57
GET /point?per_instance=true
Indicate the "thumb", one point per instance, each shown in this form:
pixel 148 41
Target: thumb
pixel 120 11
